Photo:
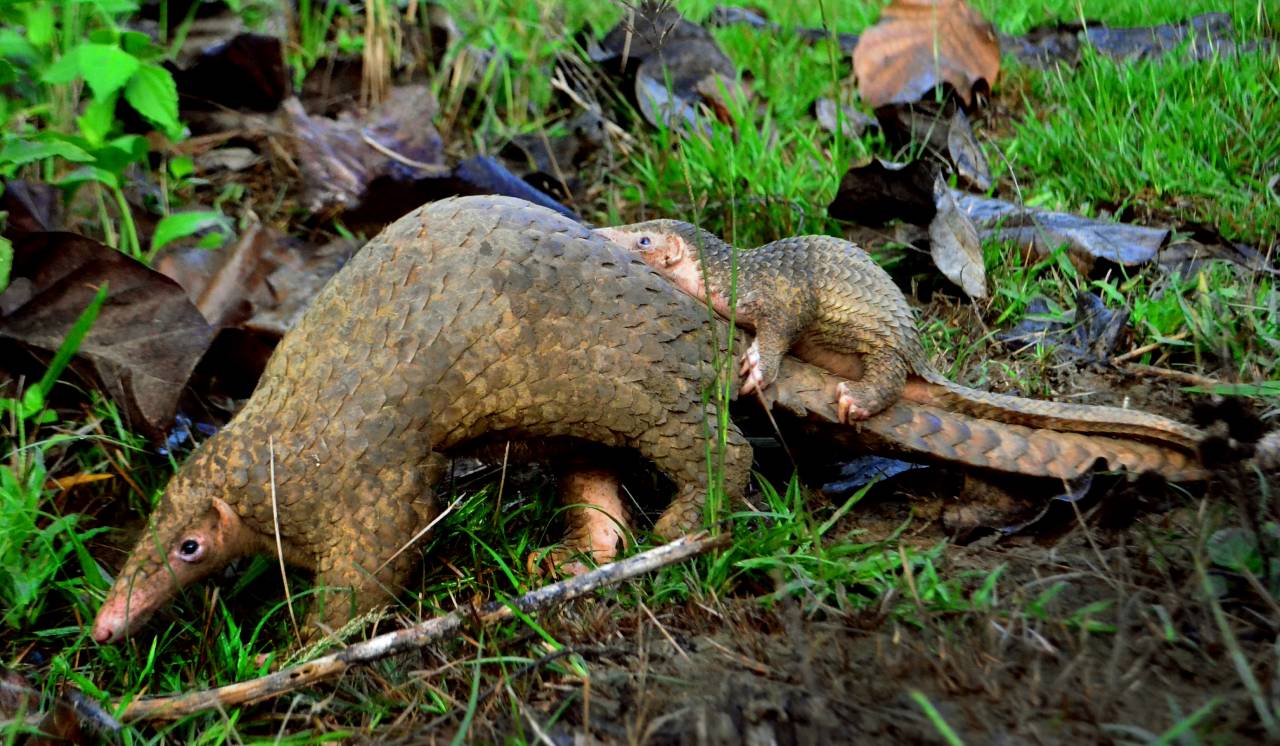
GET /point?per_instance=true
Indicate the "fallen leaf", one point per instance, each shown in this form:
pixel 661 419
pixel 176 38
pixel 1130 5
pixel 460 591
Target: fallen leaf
pixel 879 191
pixel 723 15
pixel 552 164
pixel 920 44
pixel 339 158
pixel 955 246
pixel 146 341
pixel 63 723
pixel 245 72
pixel 1203 37
pixel 855 122
pixel 1044 231
pixel 677 65
pixel 484 175
pixel 30 207
pixel 966 155
pixel 1089 333
pixel 858 473
pixel 229 286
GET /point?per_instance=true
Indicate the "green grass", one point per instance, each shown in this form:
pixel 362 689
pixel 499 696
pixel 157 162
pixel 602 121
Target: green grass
pixel 1190 141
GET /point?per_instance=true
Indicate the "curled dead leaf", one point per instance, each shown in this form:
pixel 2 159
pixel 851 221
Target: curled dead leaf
pixel 955 245
pixel 920 44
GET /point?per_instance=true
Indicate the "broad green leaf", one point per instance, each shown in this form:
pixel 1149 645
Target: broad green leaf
pixel 86 174
pixel 140 45
pixel 153 93
pixel 106 68
pixel 6 262
pixel 1235 549
pixel 21 152
pixel 120 152
pixel 39 20
pixel 7 73
pixel 181 166
pixel 96 121
pixel 113 7
pixel 14 46
pixel 105 35
pixel 64 69
pixel 183 224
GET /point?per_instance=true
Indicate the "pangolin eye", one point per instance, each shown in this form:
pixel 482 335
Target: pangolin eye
pixel 189 548
pixel 644 242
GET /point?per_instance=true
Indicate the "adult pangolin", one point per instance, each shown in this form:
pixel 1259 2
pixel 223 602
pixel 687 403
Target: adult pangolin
pixel 468 320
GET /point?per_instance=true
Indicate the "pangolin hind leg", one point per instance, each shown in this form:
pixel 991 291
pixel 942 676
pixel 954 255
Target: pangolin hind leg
pixel 883 379
pixel 687 465
pixel 597 522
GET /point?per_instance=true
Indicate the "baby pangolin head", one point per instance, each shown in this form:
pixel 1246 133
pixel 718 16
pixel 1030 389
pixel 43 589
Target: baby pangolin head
pixel 191 534
pixel 662 243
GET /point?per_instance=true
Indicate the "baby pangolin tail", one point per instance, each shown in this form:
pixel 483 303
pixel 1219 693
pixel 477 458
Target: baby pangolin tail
pixel 1077 418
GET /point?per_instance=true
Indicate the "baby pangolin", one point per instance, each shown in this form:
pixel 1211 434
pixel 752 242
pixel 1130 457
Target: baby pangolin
pixel 826 300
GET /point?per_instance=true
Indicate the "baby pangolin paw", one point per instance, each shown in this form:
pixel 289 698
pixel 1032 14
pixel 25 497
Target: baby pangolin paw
pixel 848 408
pixel 752 376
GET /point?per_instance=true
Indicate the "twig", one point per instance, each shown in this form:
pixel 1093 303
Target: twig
pixel 1138 352
pixel 419 635
pixel 275 523
pixel 664 632
pixel 434 170
pixel 1191 379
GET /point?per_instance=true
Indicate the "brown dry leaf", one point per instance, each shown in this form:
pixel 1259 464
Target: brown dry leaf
pixel 966 155
pixel 340 158
pixel 920 44
pixel 879 191
pixel 955 246
pixel 147 338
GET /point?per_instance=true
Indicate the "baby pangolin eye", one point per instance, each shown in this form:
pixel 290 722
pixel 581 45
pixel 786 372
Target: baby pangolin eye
pixel 189 548
pixel 644 242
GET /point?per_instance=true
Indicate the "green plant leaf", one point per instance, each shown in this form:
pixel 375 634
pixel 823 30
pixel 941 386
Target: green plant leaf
pixel 14 46
pixel 39 22
pixel 182 224
pixel 96 121
pixel 153 93
pixel 6 262
pixel 22 152
pixel 113 7
pixel 181 166
pixel 140 45
pixel 106 68
pixel 117 154
pixel 86 174
pixel 64 69
pixel 72 342
pixel 1236 549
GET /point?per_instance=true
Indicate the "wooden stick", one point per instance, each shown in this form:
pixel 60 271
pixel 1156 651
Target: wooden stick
pixel 1190 379
pixel 419 635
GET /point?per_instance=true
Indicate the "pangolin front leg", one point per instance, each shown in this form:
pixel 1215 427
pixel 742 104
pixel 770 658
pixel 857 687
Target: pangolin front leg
pixel 368 560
